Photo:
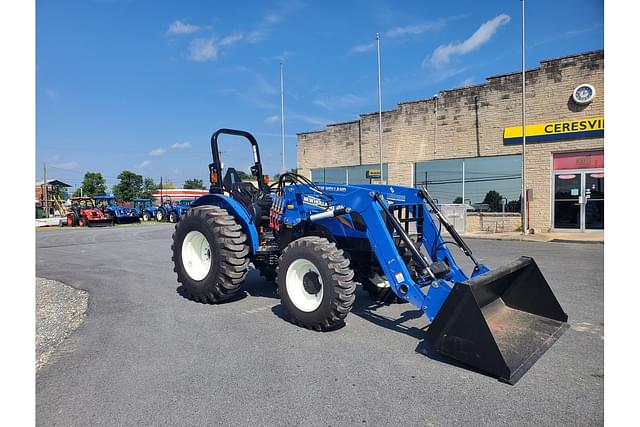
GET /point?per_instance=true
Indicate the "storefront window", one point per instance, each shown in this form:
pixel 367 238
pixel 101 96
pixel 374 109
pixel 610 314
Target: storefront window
pixel 484 181
pixel 347 174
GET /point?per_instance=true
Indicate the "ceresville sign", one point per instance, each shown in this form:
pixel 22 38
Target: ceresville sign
pixel 570 129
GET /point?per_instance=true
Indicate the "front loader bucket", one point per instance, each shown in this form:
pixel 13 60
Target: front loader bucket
pixel 499 322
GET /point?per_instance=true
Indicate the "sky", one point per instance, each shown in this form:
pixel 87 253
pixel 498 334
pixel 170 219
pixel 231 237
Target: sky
pixel 141 85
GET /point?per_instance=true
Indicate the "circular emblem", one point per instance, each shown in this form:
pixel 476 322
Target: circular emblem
pixel 584 94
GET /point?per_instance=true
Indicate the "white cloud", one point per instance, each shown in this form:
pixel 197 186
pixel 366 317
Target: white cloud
pixel 272 119
pixel 483 34
pixel 157 152
pixel 415 29
pixel 144 164
pixel 363 47
pixel 179 27
pixel 256 36
pixel 231 40
pixel 312 120
pixel 181 145
pixel 273 18
pixel 203 49
pixel 469 81
pixel 65 165
pixel 348 100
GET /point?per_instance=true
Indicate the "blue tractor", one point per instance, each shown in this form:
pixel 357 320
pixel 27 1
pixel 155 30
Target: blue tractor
pixel 118 214
pixel 172 212
pixel 320 240
pixel 145 209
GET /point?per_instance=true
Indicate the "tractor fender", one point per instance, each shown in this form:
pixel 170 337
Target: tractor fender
pixel 237 210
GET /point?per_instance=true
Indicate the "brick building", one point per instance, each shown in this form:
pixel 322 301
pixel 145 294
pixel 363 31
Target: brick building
pixel 465 142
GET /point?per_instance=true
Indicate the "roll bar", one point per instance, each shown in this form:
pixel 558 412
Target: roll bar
pixel 216 166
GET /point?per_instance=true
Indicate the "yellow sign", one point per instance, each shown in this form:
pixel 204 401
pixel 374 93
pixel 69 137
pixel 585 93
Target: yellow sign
pixel 373 174
pixel 570 129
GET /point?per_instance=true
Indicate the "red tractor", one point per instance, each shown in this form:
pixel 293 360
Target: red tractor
pixel 83 212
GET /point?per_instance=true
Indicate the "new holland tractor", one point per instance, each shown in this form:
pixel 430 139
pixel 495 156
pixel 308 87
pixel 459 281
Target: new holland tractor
pixel 172 212
pixel 117 213
pixel 319 240
pixel 145 209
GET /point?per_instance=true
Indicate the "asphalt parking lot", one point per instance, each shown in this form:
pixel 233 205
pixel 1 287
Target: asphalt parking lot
pixel 147 355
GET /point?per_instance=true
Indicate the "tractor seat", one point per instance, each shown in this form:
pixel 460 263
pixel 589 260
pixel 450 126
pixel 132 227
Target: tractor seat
pixel 246 193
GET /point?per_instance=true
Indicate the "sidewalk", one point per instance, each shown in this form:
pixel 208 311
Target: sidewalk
pixel 576 237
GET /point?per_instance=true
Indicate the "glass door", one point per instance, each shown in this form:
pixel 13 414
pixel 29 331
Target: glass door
pixel 567 201
pixel 594 200
pixel 579 200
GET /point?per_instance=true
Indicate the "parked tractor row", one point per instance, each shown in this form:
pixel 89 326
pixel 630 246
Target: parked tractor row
pixel 104 211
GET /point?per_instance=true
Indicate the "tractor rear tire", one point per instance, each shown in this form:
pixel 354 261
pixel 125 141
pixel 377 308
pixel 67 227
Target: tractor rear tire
pixel 315 283
pixel 210 254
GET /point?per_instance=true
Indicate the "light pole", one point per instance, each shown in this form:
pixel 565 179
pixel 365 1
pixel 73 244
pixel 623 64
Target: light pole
pixel 523 205
pixel 379 109
pixel 284 169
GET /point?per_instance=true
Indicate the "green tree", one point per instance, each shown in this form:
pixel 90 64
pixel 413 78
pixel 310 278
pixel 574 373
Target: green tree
pixel 194 183
pixel 492 198
pixel 93 184
pixel 277 176
pixel 244 176
pixel 129 187
pixel 148 188
pixel 168 185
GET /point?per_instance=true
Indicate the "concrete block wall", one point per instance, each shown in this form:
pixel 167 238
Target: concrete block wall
pixel 470 123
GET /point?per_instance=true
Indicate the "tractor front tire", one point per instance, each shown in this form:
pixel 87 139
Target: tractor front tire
pixel 146 217
pixel 82 222
pixel 316 284
pixel 210 254
pixel 159 215
pixel 173 218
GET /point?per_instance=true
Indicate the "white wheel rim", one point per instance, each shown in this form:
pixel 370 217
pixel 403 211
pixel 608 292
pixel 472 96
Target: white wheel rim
pixel 196 255
pixel 160 215
pixel 299 296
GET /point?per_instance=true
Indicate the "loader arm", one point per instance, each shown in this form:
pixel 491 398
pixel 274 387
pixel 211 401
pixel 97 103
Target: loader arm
pixel 499 321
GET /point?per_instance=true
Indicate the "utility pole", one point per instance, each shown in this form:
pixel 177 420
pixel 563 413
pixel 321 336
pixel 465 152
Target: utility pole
pixel 523 205
pixel 284 169
pixel 45 192
pixel 379 109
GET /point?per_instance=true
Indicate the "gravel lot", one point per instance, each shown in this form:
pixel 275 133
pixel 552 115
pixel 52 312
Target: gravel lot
pixel 145 355
pixel 60 309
